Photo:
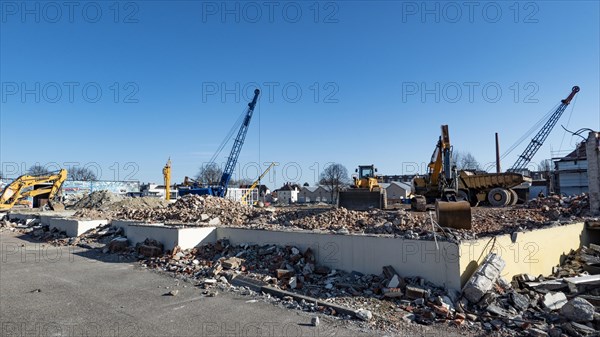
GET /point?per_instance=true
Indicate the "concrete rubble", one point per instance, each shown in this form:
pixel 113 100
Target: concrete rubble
pixel 565 303
pixel 193 210
pixel 527 305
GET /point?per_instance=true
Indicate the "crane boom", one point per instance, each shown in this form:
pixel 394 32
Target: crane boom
pixel 541 136
pixel 256 182
pixel 237 148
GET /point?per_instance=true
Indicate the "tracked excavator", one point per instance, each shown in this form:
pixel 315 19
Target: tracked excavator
pixel 32 186
pixel 365 193
pixel 440 185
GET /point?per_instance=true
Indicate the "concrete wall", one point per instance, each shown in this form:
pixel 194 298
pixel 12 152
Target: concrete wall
pixel 593 159
pixel 74 227
pixel 534 252
pixel 365 254
pixel 169 236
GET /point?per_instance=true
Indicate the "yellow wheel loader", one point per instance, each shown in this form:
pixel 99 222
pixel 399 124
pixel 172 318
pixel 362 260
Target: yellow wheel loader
pixel 365 193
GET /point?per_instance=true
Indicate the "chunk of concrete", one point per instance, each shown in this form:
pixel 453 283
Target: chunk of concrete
pixel 484 278
pixel 578 310
pixel 555 301
pixel 413 292
pixel 364 314
pixel 118 245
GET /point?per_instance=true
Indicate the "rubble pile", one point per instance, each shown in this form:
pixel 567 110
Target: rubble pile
pixel 556 206
pixel 583 260
pixel 97 200
pixel 526 306
pixel 194 209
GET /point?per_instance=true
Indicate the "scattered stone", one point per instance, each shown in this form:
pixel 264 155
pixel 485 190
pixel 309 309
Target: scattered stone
pixel 578 310
pixel 484 278
pixel 364 314
pixel 554 301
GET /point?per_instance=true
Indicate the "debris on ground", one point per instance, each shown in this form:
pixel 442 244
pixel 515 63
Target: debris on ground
pixel 194 210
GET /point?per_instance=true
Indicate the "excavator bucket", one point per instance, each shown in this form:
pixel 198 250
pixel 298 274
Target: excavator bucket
pixel 454 214
pixel 362 199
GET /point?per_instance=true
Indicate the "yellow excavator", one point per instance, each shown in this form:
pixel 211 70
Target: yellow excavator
pixel 440 185
pixel 365 193
pixel 256 182
pixel 27 186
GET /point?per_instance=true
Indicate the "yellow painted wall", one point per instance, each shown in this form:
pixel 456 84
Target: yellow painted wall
pixel 533 252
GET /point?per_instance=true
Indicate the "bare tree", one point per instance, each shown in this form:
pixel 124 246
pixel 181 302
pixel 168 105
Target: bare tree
pixel 465 161
pixel 240 182
pixel 82 174
pixel 545 165
pixel 335 176
pixel 38 170
pixel 209 174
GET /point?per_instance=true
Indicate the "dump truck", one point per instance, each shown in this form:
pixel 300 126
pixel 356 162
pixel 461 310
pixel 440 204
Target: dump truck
pixel 365 193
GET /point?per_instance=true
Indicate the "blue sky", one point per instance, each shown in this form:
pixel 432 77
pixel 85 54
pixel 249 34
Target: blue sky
pixel 120 87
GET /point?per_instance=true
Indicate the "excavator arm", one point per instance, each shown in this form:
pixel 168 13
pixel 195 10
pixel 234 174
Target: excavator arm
pixel 14 191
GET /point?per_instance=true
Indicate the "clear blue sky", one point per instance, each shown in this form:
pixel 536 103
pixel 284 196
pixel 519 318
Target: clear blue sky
pixel 370 61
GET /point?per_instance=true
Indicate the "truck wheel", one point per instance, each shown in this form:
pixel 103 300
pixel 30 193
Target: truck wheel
pixel 514 197
pixel 498 197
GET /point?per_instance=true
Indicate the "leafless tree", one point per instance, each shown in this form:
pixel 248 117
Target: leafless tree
pixel 545 165
pixel 38 170
pixel 209 174
pixel 335 176
pixel 82 174
pixel 465 161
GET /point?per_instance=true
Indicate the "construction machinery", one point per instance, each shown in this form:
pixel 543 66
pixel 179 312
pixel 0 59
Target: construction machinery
pixel 167 179
pixel 221 188
pixel 27 186
pixel 444 181
pixel 255 183
pixel 365 193
pixel 440 185
pixel 538 140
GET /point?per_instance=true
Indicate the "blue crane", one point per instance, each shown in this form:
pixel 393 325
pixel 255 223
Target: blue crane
pixel 221 189
pixel 541 136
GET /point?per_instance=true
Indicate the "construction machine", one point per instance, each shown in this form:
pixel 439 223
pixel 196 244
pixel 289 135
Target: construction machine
pixel 256 182
pixel 27 186
pixel 365 193
pixel 220 190
pixel 440 185
pixel 167 179
pixel 538 140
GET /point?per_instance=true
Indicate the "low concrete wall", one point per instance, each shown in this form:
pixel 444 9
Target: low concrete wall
pixel 363 253
pixel 169 236
pixel 533 252
pixel 74 227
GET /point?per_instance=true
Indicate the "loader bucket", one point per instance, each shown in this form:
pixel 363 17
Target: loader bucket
pixel 361 199
pixel 454 214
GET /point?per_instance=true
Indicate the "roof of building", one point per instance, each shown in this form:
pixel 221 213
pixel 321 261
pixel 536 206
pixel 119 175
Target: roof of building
pixel 402 185
pixel 314 188
pixel 577 154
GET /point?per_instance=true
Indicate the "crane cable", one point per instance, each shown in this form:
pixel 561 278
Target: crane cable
pixel 228 137
pixel 534 128
pixel 568 121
